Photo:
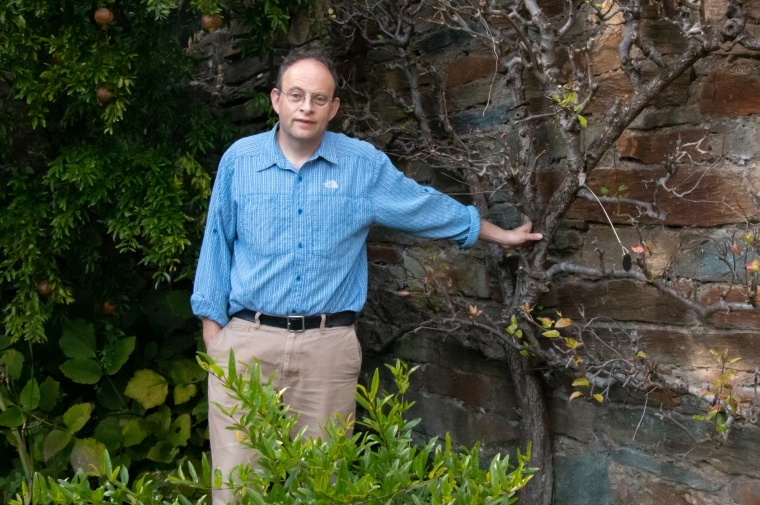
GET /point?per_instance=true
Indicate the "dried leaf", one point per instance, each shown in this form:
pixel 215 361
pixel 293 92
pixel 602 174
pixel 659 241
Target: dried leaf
pixel 599 398
pixel 638 249
pixel 575 395
pixel 580 382
pixel 563 323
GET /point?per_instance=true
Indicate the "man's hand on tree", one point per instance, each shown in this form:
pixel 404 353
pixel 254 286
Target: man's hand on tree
pixel 509 239
pixel 210 329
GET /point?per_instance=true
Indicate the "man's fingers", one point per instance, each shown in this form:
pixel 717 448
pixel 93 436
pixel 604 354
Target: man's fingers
pixel 534 236
pixel 525 227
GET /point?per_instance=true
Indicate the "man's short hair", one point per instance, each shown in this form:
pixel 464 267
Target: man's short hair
pixel 306 53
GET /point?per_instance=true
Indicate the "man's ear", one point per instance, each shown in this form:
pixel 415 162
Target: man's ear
pixel 334 106
pixel 274 96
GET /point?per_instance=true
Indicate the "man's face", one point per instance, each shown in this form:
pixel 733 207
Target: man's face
pixel 305 124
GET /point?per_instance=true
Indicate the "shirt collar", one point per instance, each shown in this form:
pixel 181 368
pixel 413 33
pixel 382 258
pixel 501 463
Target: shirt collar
pixel 272 154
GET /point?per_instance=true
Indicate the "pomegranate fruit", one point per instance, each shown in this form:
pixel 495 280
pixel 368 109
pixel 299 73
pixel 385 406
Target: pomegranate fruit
pixel 103 95
pixel 103 17
pixel 211 23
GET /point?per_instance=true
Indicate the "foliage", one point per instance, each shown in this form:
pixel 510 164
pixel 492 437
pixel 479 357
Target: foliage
pixel 107 152
pixel 379 465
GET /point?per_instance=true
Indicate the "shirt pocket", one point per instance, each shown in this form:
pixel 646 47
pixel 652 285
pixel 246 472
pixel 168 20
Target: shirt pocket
pixel 338 223
pixel 265 224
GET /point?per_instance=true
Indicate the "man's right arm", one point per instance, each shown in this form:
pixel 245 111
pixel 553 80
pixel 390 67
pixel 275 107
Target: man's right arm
pixel 211 290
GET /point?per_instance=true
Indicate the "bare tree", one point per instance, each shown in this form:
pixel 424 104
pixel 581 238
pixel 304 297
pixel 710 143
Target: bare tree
pixel 554 52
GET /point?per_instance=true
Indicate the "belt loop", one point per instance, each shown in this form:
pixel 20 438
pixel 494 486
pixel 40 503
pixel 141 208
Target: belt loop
pixel 322 324
pixel 256 322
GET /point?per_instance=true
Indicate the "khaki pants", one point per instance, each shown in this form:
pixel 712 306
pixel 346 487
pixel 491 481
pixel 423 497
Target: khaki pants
pixel 320 369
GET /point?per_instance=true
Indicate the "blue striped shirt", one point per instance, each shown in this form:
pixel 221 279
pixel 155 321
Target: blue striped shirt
pixel 292 242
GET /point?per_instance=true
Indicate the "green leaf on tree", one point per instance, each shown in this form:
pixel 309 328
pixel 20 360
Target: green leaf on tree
pixel 108 432
pixel 87 454
pixel 160 421
pixel 12 417
pixel 551 334
pixel 30 395
pixel 77 416
pixel 622 188
pixel 148 388
pixel 134 432
pixel 162 452
pixel 82 371
pixel 179 433
pixel 55 442
pixel 184 393
pixel 14 361
pixel 49 390
pixel 604 190
pixel 187 371
pixel 582 120
pixel 580 382
pixel 78 339
pixel 117 353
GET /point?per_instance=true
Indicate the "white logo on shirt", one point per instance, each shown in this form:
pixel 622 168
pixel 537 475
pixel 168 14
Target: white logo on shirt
pixel 331 185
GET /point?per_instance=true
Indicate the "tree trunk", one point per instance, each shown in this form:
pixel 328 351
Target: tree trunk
pixel 535 428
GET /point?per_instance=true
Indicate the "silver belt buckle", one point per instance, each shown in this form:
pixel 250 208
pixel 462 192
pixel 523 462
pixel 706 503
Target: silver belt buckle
pixel 303 324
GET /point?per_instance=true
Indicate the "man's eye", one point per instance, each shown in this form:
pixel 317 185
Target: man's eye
pixel 295 95
pixel 320 99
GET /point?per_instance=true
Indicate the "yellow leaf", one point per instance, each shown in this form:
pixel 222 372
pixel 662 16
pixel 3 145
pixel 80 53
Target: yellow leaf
pixel 551 334
pixel 575 395
pixel 599 398
pixel 580 382
pixel 563 323
pixel 545 322
pixel 571 343
pixel 641 354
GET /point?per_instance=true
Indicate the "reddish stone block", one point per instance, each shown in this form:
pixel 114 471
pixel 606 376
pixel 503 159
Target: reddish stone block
pixel 730 95
pixel 745 491
pixel 383 253
pixel 656 147
pixel 606 54
pixel 468 69
pixel 621 301
pixel 705 207
pixel 749 320
pixel 753 8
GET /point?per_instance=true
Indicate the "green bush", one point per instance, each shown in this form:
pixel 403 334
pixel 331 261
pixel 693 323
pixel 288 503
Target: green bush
pixel 107 153
pixel 379 465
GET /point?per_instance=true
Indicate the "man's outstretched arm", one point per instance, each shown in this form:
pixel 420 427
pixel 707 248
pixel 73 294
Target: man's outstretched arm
pixel 509 239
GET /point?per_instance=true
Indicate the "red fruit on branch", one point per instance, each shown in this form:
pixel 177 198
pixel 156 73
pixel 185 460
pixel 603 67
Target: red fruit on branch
pixel 103 17
pixel 103 95
pixel 109 308
pixel 45 289
pixel 211 23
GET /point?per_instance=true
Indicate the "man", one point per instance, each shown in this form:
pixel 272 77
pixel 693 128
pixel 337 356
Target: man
pixel 283 266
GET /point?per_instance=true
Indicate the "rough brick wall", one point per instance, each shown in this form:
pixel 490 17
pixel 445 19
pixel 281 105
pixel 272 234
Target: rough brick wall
pixel 633 449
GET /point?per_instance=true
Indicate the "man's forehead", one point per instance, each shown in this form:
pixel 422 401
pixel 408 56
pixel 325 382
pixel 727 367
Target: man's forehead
pixel 307 73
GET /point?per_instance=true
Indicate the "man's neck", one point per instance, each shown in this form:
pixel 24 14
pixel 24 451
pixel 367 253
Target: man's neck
pixel 297 154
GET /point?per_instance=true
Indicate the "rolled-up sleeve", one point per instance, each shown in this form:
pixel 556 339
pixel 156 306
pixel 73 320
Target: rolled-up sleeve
pixel 211 290
pixel 399 202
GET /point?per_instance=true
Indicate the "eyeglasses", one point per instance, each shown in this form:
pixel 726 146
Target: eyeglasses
pixel 297 97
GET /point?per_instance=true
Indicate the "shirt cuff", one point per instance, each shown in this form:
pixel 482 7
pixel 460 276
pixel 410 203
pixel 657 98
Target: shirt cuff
pixel 472 236
pixel 203 308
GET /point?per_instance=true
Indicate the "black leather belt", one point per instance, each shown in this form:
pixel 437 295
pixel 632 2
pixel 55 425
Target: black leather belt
pixel 299 324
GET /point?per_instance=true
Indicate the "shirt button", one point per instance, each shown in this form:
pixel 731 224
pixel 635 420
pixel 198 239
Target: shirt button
pixel 298 277
pixel 300 211
pixel 300 178
pixel 293 311
pixel 300 245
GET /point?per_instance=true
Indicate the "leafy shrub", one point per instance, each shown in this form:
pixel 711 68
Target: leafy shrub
pixel 378 465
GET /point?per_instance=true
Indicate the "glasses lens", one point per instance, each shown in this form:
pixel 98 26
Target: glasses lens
pixel 295 97
pixel 320 100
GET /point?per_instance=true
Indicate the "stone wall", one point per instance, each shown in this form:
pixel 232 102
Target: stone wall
pixel 634 448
